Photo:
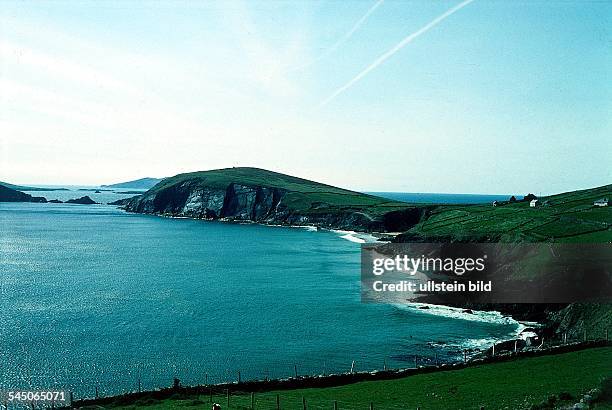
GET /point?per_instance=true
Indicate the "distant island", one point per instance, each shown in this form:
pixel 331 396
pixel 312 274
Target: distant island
pixel 85 200
pixel 142 183
pixel 30 188
pixel 13 195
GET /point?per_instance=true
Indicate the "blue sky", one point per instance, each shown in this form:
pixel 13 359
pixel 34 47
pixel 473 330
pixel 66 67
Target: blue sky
pixel 495 97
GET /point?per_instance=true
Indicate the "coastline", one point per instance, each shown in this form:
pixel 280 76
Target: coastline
pixel 474 347
pixel 537 329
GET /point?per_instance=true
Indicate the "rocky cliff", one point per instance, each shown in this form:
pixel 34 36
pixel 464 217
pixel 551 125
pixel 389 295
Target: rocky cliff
pixel 250 194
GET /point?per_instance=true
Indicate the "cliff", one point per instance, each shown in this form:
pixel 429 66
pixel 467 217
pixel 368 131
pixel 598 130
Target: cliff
pixel 258 195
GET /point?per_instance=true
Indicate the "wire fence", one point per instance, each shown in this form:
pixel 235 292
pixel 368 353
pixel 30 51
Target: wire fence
pixel 283 389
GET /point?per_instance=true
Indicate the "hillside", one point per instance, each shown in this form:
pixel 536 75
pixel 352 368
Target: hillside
pixel 142 183
pixel 566 217
pixel 253 194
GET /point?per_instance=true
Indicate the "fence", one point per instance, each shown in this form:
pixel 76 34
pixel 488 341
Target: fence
pixel 258 393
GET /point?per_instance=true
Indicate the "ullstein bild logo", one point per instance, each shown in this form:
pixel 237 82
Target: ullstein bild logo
pixel 486 273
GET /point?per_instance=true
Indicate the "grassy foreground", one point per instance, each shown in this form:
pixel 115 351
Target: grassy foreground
pixel 517 384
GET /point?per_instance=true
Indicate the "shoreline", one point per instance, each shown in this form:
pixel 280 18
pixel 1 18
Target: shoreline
pixel 355 236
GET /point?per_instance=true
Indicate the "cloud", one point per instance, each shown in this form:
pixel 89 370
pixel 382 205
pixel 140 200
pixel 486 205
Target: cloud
pixel 407 40
pixel 346 37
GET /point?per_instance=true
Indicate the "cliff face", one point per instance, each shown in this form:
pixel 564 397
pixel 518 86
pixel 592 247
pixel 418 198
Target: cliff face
pixel 239 202
pixel 250 194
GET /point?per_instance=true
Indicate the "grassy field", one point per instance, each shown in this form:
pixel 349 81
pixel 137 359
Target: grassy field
pixel 517 384
pixel 567 217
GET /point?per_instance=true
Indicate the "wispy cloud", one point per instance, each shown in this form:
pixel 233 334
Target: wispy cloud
pixel 346 37
pixel 407 40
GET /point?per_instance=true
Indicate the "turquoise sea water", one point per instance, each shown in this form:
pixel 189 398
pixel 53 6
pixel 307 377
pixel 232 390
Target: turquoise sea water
pixel 93 296
pixel 429 198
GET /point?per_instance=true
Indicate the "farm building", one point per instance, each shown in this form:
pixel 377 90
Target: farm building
pixel 601 202
pixel 533 203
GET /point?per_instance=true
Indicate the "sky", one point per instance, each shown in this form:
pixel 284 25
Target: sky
pixel 478 96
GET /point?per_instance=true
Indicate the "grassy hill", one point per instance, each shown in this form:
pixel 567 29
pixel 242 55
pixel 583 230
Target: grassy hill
pixel 259 195
pixel 566 217
pixel 302 194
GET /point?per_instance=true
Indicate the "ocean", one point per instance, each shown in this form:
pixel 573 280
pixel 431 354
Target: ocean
pixel 432 198
pixel 94 297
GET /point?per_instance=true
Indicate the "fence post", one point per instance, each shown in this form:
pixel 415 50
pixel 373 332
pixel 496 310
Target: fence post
pixel 371 406
pixel 436 359
pixel 493 354
pixel 464 356
pixel 96 392
pixel 385 364
pixel 303 403
pixel 295 370
pixel 228 398
pixel 335 405
pixel 252 400
pixel 415 361
pixel 565 338
pixel 352 367
pixel 515 346
pixel 277 402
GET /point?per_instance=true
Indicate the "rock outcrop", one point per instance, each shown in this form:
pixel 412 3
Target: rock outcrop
pixel 84 200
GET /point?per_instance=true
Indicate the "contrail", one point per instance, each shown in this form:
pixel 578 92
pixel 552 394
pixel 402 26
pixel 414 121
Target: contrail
pixel 352 31
pixel 344 38
pixel 395 49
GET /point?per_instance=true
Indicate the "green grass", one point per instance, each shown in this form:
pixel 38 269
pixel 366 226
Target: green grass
pixel 568 217
pixel 303 195
pixel 516 384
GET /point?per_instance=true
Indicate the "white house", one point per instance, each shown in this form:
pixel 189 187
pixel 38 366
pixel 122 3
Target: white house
pixel 533 203
pixel 601 202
